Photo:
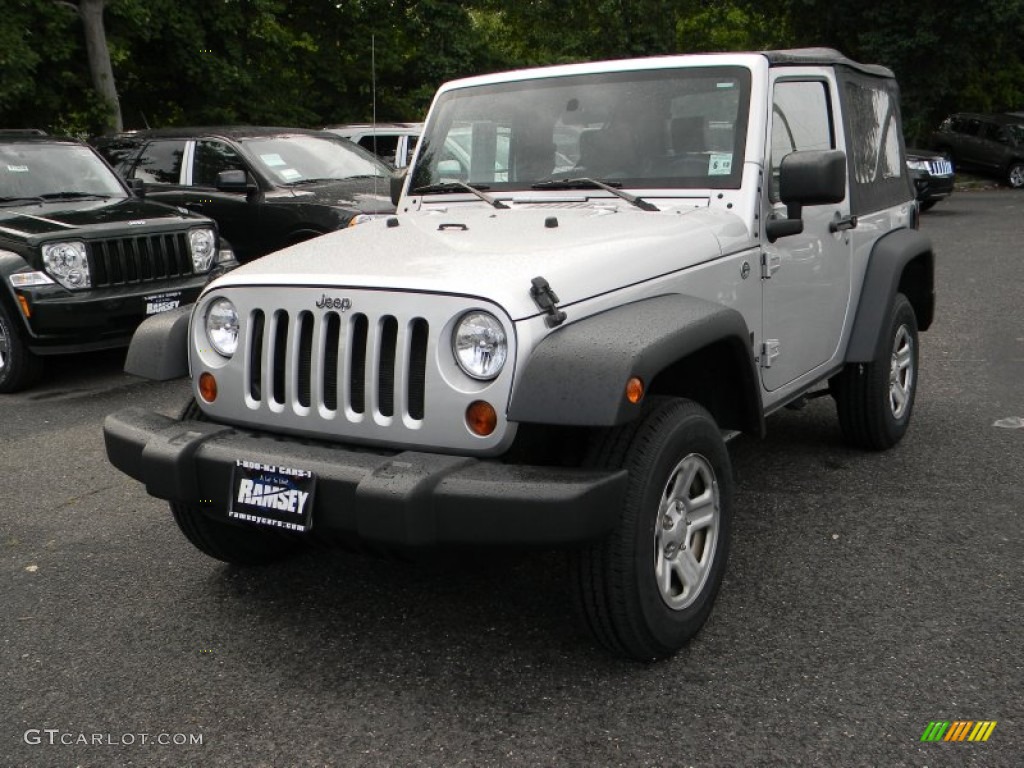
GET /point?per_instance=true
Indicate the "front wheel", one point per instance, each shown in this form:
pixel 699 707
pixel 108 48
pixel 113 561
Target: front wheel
pixel 230 542
pixel 649 587
pixel 874 400
pixel 19 367
pixel 1015 175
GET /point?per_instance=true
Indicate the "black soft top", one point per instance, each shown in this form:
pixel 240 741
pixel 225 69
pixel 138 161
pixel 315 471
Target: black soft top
pixel 796 57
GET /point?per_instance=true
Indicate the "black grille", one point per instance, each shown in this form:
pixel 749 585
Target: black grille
pixel 126 260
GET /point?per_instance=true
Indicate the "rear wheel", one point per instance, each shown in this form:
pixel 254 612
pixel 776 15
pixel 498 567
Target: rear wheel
pixel 649 587
pixel 1015 175
pixel 874 400
pixel 19 367
pixel 230 542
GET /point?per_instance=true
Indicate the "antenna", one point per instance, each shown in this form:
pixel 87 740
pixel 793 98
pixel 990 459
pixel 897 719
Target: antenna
pixel 373 98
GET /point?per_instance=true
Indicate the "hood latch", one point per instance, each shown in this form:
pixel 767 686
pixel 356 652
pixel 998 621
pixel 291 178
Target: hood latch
pixel 547 300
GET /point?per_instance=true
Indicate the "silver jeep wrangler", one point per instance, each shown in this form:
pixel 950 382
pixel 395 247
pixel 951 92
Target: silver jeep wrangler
pixel 597 274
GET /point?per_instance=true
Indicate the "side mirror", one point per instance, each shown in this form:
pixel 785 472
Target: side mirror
pixel 809 177
pixel 233 181
pixel 397 182
pixel 138 187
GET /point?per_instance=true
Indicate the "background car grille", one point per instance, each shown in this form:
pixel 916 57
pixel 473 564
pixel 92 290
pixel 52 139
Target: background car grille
pixel 338 361
pixel 941 167
pixel 140 259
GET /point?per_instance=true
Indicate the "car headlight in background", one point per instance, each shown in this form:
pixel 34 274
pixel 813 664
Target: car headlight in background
pixel 222 326
pixel 917 165
pixel 480 345
pixel 68 263
pixel 204 248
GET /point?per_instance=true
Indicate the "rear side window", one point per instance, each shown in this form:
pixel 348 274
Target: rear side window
pixel 160 162
pixel 875 152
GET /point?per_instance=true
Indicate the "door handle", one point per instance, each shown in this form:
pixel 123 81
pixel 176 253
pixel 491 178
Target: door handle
pixel 841 223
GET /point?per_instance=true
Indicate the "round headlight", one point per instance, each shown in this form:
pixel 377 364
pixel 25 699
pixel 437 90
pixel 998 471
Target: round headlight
pixel 222 326
pixel 480 345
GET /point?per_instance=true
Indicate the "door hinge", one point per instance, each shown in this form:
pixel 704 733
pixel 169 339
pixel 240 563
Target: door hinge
pixel 769 351
pixel 770 263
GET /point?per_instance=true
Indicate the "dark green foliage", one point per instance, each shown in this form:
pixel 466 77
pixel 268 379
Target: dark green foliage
pixel 312 62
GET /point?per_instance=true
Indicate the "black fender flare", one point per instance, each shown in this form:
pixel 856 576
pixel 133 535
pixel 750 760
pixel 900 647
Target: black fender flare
pixel 889 258
pixel 577 375
pixel 159 346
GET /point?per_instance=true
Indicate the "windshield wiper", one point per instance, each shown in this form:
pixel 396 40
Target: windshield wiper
pixel 459 186
pixel 9 200
pixel 588 183
pixel 72 195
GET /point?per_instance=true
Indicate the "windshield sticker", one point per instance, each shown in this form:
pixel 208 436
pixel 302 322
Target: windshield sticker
pixel 290 174
pixel 720 164
pixel 17 168
pixel 726 85
pixel 273 160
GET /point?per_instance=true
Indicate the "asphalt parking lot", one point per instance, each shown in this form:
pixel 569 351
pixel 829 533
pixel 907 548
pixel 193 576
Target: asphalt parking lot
pixel 867 596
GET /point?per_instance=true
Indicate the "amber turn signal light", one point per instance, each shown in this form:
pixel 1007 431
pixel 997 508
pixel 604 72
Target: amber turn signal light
pixel 25 308
pixel 635 390
pixel 207 387
pixel 481 418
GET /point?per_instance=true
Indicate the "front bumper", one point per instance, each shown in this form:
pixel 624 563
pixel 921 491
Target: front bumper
pixel 63 321
pixel 928 187
pixel 402 499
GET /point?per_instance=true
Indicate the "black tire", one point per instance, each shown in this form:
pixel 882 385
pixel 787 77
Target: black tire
pixel 1015 174
pixel 875 400
pixel 19 367
pixel 630 588
pixel 230 542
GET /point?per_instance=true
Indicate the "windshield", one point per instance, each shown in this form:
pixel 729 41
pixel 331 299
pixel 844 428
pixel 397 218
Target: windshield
pixel 683 128
pixel 300 158
pixel 30 170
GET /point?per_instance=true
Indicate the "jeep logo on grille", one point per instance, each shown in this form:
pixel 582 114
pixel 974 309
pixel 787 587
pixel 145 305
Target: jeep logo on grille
pixel 326 302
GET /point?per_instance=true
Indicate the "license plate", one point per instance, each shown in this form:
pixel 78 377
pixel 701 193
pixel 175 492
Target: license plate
pixel 162 302
pixel 272 497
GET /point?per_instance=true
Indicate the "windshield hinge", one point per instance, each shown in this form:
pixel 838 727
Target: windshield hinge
pixel 547 300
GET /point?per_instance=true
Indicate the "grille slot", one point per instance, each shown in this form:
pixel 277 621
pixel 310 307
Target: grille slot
pixel 338 362
pixel 125 260
pixel 357 366
pixel 386 366
pixel 279 350
pixel 418 367
pixel 256 356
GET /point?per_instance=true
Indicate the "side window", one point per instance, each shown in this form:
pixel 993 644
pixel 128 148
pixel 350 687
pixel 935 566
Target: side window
pixel 212 157
pixel 160 162
pixel 874 133
pixel 801 119
pixel 385 147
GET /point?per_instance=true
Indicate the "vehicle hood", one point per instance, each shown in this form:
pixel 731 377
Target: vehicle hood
pixel 90 218
pixel 362 195
pixel 494 254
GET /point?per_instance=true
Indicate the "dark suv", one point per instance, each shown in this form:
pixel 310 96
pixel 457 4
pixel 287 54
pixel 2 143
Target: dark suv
pixel 267 188
pixel 82 259
pixel 989 144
